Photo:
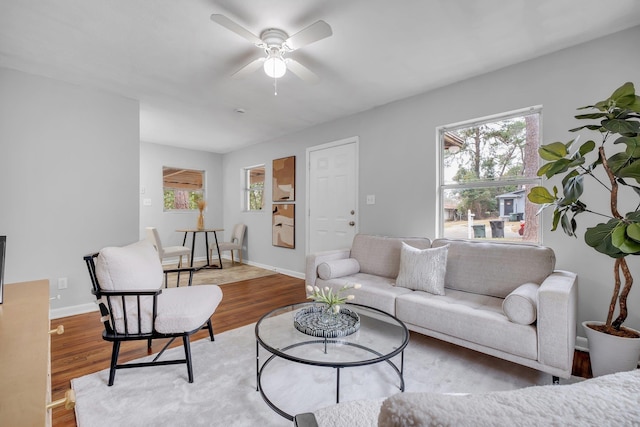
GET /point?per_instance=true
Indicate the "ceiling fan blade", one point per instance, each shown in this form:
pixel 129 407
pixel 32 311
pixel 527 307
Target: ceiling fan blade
pixel 314 32
pixel 251 67
pixel 236 28
pixel 301 71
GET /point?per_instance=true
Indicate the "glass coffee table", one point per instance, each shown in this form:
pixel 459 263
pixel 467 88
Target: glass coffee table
pixel 378 338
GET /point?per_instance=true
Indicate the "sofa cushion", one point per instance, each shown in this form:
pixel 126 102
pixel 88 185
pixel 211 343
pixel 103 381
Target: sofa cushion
pixel 521 305
pixel 376 291
pixel 379 255
pixel 471 317
pixel 495 269
pixel 338 268
pixel 422 269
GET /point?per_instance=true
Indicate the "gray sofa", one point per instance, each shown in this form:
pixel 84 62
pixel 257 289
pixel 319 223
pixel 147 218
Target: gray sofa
pixel 502 299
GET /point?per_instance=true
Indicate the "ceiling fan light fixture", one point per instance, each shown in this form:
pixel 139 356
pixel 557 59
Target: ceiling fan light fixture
pixel 275 67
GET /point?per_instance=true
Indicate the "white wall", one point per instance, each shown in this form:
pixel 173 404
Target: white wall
pixel 398 155
pixel 69 160
pixel 152 158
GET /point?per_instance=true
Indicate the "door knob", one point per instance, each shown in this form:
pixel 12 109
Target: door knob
pixel 352 223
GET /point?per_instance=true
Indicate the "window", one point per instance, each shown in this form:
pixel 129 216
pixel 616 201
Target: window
pixel 487 167
pixel 183 188
pixel 254 188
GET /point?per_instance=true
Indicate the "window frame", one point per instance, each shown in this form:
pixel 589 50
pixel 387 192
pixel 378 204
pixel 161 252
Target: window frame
pixel 442 186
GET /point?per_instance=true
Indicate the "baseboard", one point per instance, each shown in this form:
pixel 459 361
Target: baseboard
pixel 57 313
pixel 286 272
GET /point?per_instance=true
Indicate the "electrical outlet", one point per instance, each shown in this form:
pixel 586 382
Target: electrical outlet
pixel 62 283
pixel 146 202
pixel 371 199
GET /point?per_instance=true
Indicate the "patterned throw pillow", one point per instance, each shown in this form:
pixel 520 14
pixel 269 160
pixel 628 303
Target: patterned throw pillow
pixel 423 269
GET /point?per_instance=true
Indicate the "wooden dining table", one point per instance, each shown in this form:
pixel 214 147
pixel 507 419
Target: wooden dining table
pixel 194 232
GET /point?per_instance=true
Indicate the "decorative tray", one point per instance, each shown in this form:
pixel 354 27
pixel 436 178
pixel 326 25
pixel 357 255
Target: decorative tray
pixel 316 322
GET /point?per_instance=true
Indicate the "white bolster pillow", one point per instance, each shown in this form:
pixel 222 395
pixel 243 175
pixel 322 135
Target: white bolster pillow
pixel 521 305
pixel 338 268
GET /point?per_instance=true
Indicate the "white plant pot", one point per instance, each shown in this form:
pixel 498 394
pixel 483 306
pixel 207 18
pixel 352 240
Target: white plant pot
pixel 609 353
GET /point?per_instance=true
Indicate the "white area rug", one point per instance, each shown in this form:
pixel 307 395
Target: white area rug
pixel 224 389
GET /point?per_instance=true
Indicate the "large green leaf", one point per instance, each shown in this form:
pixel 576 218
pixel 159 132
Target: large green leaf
pixel 540 195
pixel 553 151
pixel 590 127
pixel 567 226
pixel 620 240
pixel 587 147
pixel 621 126
pixel 559 166
pixel 630 171
pixel 599 238
pixel 633 231
pixel 556 219
pixel 591 116
pixel 624 96
pixel 633 145
pixel 633 216
pixel 544 168
pixel 572 187
pixel 618 161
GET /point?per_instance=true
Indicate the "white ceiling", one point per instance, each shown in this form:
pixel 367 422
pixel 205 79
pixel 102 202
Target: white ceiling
pixel 169 55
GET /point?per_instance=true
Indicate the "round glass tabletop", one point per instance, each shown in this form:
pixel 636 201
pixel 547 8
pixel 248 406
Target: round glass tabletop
pixel 379 337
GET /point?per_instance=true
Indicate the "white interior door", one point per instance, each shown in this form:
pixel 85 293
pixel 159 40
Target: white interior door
pixel 332 201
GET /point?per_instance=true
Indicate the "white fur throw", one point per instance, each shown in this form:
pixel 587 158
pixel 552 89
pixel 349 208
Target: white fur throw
pixel 611 400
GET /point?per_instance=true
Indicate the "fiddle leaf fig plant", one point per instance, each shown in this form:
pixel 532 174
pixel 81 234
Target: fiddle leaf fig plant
pixel 612 163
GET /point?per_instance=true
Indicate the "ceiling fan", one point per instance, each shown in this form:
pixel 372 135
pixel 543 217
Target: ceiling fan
pixel 276 44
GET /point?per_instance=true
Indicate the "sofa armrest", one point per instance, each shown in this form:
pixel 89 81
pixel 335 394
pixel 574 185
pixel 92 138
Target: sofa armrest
pixel 314 260
pixel 305 420
pixel 557 310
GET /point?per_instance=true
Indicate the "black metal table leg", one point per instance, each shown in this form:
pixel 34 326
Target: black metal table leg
pixel 338 386
pixel 193 248
pixel 206 244
pixel 215 236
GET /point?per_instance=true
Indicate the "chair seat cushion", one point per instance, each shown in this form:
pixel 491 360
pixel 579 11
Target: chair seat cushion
pixel 187 308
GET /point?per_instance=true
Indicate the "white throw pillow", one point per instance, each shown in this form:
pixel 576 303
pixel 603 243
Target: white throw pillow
pixel 131 267
pixel 338 268
pixel 423 269
pixel 521 305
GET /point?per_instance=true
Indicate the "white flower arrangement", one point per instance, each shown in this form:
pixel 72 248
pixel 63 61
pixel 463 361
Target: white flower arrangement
pixel 332 299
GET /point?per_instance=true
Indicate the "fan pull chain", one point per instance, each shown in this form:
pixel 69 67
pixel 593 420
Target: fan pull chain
pixel 275 86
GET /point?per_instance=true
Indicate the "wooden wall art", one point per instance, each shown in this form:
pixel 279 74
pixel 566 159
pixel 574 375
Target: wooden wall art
pixel 284 225
pixel 284 179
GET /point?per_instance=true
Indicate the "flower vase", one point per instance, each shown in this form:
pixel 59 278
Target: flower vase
pixel 200 221
pixel 328 316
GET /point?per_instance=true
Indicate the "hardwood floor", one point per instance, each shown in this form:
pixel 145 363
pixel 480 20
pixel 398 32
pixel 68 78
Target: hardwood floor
pixel 81 350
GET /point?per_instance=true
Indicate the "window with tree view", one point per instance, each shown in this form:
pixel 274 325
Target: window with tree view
pixel 487 168
pixel 183 188
pixel 254 188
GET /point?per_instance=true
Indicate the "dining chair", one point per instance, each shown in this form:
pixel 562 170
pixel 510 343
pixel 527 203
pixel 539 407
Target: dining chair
pixel 127 283
pixel 169 251
pixel 235 244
